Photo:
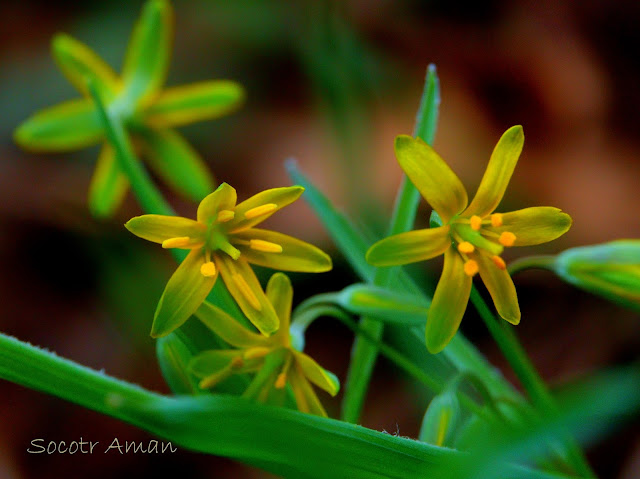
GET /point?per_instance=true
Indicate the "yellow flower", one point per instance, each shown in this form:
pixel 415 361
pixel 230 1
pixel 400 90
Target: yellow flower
pixel 274 359
pixel 223 241
pixel 136 98
pixel 472 236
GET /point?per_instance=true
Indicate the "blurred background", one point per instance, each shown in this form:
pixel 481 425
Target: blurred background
pixel 331 84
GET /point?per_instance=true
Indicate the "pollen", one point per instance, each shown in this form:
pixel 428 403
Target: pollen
pixel 499 262
pixel 496 219
pixel 208 269
pixel 260 210
pixel 179 242
pixel 507 238
pixel 265 246
pixel 237 362
pixel 245 290
pixel 225 215
pixel 281 381
pixel 465 247
pixel 256 353
pixel 471 267
pixel 476 222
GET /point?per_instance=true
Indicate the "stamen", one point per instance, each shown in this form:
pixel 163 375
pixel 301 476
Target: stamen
pixel 260 210
pixel 476 222
pixel 237 362
pixel 499 262
pixel 281 381
pixel 179 242
pixel 465 247
pixel 471 267
pixel 507 238
pixel 496 219
pixel 255 353
pixel 208 269
pixel 265 246
pixel 225 215
pixel 244 288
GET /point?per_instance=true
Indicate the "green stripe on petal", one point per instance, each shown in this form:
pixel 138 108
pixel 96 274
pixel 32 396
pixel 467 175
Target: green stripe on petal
pixel 317 374
pixel 437 183
pixel 498 173
pixel 79 62
pixel 280 197
pixel 245 288
pixel 68 126
pixel 500 286
pixel 177 163
pixel 183 295
pixel 108 185
pixel 223 198
pixel 449 302
pixel 228 328
pixel 280 295
pixel 296 254
pixel 410 247
pixel 147 60
pixel 306 398
pixel 158 228
pixel 211 362
pixel 196 102
pixel 266 377
pixel 535 225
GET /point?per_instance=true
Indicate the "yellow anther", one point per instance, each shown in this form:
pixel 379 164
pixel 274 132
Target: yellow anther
pixel 281 381
pixel 499 262
pixel 496 219
pixel 245 290
pixel 265 246
pixel 179 242
pixel 237 362
pixel 476 222
pixel 260 210
pixel 471 267
pixel 507 238
pixel 465 247
pixel 225 215
pixel 255 353
pixel 208 269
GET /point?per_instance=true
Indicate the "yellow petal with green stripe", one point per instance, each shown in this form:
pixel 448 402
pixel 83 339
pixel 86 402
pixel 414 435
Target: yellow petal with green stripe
pixel 223 198
pixel 280 295
pixel 159 228
pixel 108 185
pixel 449 302
pixel 196 102
pixel 183 295
pixel 316 374
pixel 69 126
pixel 210 362
pixel 306 398
pixel 498 173
pixel 410 247
pixel 535 225
pixel 296 255
pixel 500 286
pixel 278 197
pixel 228 328
pixel 437 183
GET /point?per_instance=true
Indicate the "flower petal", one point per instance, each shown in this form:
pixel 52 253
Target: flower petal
pixel 266 377
pixel 280 295
pixel 147 60
pixel 228 328
pixel 496 178
pixel 108 185
pixel 316 374
pixel 437 183
pixel 296 254
pixel 223 198
pixel 159 228
pixel 179 165
pixel 210 362
pixel 500 286
pixel 449 302
pixel 410 247
pixel 280 197
pixel 535 225
pixel 78 62
pixel 199 101
pixel 306 398
pixel 65 127
pixel 245 288
pixel 183 295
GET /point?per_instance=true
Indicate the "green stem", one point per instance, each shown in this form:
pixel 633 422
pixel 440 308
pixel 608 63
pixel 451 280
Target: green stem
pixel 364 353
pixel 532 262
pixel 531 381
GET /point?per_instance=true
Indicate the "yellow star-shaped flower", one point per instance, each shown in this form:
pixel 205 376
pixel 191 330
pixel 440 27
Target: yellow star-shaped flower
pixel 472 236
pixel 223 241
pixel 136 98
pixel 274 359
